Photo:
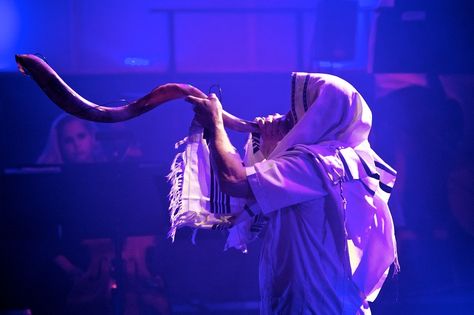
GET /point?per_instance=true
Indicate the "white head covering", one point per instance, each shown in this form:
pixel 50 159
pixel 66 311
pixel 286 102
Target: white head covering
pixel 326 108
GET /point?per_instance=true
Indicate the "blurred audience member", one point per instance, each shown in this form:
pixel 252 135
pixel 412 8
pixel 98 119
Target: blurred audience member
pixel 71 140
pixel 90 265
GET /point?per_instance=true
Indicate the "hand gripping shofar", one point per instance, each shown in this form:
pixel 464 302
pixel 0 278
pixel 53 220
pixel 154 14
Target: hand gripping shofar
pixel 71 102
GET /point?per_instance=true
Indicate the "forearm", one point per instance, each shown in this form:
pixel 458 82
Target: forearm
pixel 227 162
pixel 230 170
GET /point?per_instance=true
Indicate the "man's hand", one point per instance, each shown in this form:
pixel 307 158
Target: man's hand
pixel 230 170
pixel 208 111
pixel 272 129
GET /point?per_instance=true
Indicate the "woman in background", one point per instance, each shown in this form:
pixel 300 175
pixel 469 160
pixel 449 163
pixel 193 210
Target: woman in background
pixel 71 140
pixel 88 264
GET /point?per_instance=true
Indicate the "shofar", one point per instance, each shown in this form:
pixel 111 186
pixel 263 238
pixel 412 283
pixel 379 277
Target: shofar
pixel 71 102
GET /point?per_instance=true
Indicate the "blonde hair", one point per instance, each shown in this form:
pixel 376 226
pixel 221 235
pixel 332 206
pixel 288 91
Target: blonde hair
pixel 52 153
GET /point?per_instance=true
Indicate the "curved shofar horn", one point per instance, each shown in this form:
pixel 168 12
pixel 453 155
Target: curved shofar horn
pixel 71 102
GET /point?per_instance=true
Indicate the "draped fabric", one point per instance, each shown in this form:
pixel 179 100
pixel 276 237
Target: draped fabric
pixel 332 122
pixel 322 195
pixel 196 200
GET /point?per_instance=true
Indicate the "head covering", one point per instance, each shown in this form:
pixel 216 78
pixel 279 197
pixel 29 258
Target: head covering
pixel 331 122
pixel 325 108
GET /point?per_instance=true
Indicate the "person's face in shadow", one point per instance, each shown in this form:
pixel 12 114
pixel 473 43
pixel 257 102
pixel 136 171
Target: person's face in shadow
pixel 76 142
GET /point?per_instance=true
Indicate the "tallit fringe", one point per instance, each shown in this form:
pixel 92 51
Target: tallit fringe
pixel 175 178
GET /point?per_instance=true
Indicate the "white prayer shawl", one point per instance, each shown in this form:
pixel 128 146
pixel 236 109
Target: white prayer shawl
pixel 332 125
pixel 195 197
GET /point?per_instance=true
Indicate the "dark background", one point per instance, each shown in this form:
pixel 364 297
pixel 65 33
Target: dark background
pixel 411 60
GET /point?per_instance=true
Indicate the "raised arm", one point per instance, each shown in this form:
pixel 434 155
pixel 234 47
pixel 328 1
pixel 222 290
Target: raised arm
pixel 230 168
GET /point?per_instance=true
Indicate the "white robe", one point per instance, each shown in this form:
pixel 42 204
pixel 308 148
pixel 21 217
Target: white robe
pixel 301 269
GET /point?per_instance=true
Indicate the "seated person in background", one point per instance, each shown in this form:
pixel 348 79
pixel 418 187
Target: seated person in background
pixel 88 263
pixel 71 140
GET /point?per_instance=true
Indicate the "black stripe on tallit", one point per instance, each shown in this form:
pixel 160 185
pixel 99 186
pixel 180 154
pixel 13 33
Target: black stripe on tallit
pixel 255 141
pixel 219 201
pixel 249 211
pixel 293 87
pixel 367 169
pixel 346 167
pixel 385 188
pixel 227 204
pixel 305 100
pixel 218 198
pixel 375 176
pixel 370 191
pixel 212 193
pixel 385 168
